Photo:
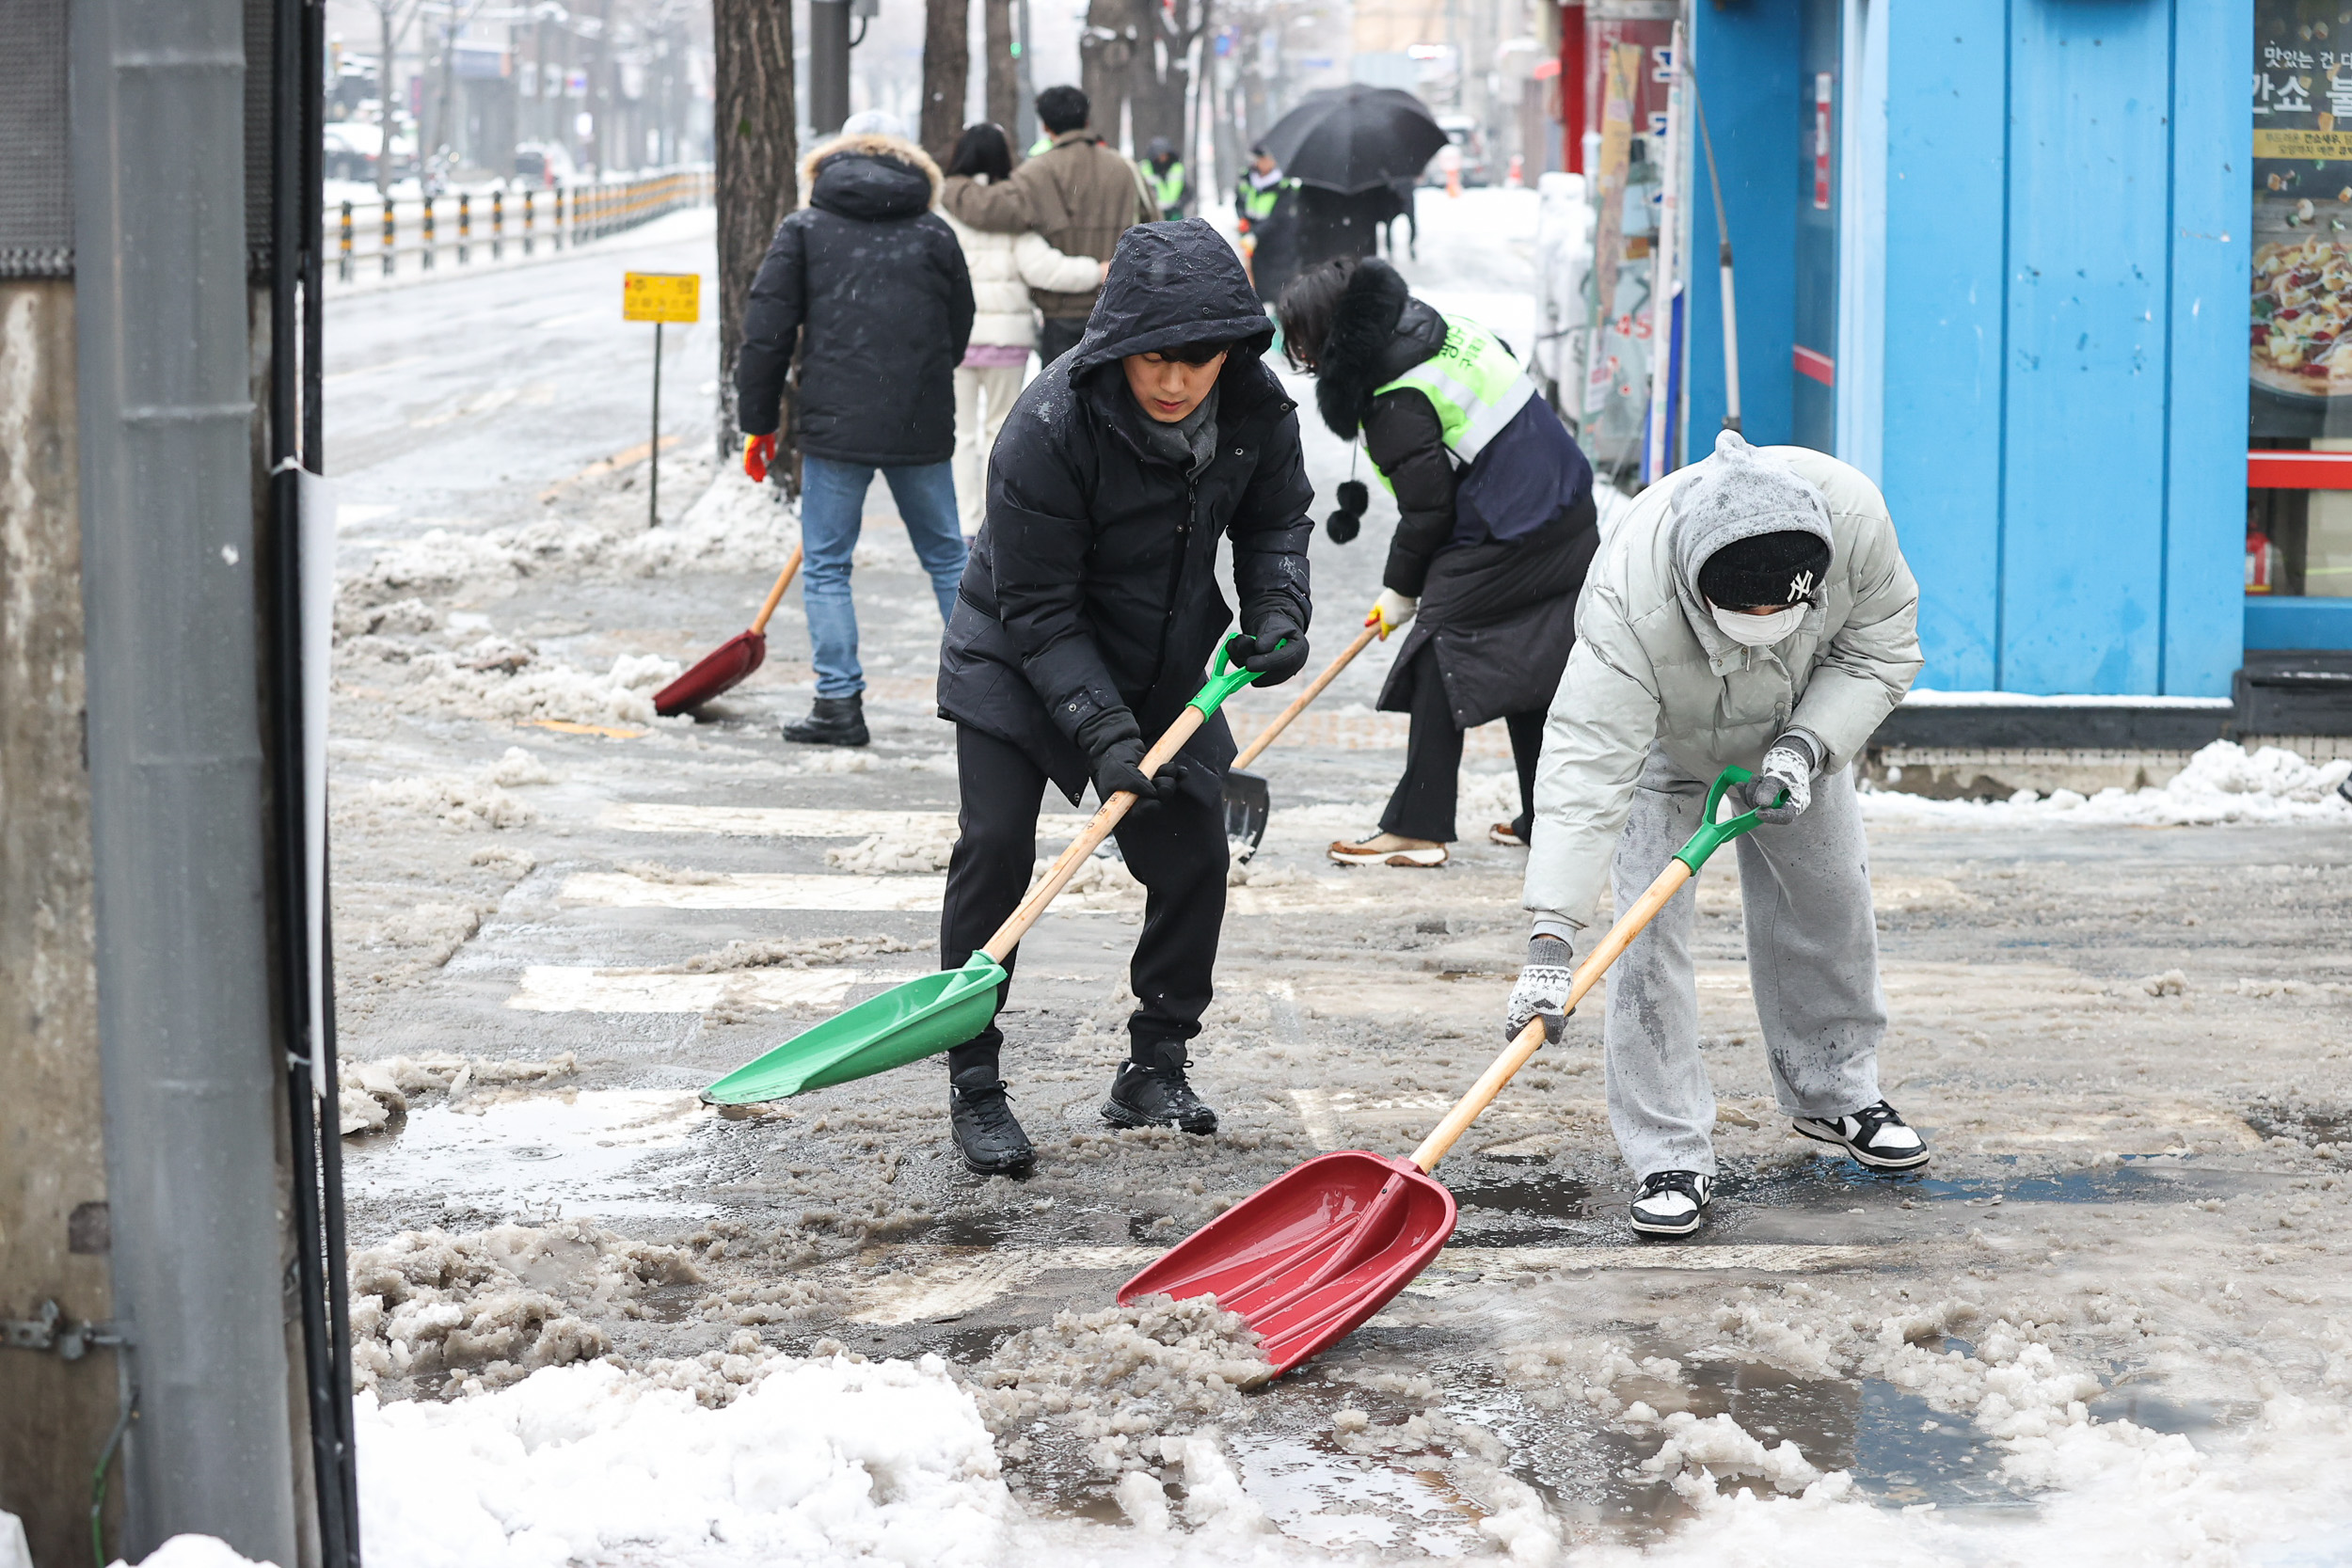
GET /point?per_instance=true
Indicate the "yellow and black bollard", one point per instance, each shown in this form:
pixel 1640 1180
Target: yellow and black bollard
pixel 392 239
pixel 428 233
pixel 465 227
pixel 497 225
pixel 343 252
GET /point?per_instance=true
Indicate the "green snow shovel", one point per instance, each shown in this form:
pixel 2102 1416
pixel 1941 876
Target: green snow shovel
pixel 942 1010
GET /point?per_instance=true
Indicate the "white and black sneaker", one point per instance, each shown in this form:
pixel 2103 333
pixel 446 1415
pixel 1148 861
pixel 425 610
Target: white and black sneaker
pixel 1875 1136
pixel 1671 1203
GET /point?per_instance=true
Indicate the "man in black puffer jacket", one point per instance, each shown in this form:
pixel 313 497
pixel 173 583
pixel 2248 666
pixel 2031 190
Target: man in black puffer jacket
pixel 1085 624
pixel 874 282
pixel 1493 534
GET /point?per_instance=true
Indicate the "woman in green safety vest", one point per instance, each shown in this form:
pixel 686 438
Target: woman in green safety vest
pixel 1170 182
pixel 1494 532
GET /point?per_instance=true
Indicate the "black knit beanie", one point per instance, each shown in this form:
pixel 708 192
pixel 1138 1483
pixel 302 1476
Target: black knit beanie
pixel 1766 571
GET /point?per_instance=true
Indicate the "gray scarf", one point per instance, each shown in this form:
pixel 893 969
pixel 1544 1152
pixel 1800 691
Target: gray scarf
pixel 1190 442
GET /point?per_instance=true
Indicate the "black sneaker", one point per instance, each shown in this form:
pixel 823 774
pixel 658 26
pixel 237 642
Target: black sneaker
pixel 1671 1203
pixel 988 1137
pixel 1156 1097
pixel 1875 1136
pixel 831 722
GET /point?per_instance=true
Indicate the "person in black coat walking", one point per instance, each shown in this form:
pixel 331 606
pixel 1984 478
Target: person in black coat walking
pixel 1085 624
pixel 1493 534
pixel 870 285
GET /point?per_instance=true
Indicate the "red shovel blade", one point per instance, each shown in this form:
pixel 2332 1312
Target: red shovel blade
pixel 1310 1255
pixel 721 671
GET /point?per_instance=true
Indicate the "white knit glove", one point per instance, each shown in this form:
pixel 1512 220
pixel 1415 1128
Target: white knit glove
pixel 1787 767
pixel 1542 990
pixel 1390 610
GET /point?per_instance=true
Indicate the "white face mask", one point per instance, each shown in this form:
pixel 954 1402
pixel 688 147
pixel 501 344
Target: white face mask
pixel 1759 632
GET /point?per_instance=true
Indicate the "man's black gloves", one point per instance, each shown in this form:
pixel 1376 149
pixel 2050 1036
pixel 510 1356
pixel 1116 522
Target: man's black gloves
pixel 1349 521
pixel 1257 651
pixel 1114 746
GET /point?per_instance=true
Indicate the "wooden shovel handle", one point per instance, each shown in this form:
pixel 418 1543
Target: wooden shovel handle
pixel 775 594
pixel 1298 704
pixel 1098 828
pixel 1433 1148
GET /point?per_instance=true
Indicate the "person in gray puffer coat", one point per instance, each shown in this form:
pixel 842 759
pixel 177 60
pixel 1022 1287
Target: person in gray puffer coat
pixel 1753 609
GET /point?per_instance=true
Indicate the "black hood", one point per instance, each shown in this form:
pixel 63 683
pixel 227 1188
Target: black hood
pixel 1379 332
pixel 1169 284
pixel 870 187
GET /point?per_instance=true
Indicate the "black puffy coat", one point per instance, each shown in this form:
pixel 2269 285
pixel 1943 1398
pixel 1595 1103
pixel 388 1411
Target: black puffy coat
pixel 878 282
pixel 1092 584
pixel 1495 549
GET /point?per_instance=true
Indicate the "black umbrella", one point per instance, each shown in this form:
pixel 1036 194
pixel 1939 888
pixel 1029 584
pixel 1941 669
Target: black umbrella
pixel 1355 138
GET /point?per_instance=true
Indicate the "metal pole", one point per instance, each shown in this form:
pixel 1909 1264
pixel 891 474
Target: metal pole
pixel 190 1053
pixel 828 65
pixel 1723 264
pixel 653 480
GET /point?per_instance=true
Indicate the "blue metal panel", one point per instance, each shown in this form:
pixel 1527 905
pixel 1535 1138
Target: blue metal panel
pixel 1813 400
pixel 2213 149
pixel 2297 622
pixel 1947 86
pixel 1747 71
pixel 2083 556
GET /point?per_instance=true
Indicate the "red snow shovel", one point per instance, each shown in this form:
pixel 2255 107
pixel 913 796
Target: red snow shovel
pixel 731 663
pixel 1312 1254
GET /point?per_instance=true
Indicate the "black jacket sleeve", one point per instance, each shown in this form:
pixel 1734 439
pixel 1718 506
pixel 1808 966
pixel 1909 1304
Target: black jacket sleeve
pixel 960 307
pixel 772 323
pixel 1406 444
pixel 1270 529
pixel 1041 535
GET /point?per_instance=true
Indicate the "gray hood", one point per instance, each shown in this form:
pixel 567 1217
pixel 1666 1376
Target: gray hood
pixel 1737 493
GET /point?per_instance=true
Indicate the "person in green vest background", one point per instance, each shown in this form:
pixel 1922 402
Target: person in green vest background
pixel 1171 182
pixel 1265 214
pixel 1494 532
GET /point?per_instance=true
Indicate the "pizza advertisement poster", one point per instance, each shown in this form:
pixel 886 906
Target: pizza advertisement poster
pixel 2299 337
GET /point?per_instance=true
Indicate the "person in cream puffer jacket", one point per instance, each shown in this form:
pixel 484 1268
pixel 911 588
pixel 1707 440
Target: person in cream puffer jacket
pixel 1003 268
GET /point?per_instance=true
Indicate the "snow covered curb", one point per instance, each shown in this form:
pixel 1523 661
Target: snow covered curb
pixel 2222 783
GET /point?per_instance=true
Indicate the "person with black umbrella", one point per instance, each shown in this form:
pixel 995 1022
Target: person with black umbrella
pixel 1494 532
pixel 1084 626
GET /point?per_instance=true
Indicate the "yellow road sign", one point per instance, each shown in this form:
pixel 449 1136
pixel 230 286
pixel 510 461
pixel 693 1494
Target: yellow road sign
pixel 661 296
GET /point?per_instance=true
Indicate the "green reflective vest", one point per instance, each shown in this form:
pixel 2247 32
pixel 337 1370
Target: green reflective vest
pixel 1473 383
pixel 1258 205
pixel 1167 189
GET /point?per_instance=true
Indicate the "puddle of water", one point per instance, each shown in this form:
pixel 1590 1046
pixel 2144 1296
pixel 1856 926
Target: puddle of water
pixel 1512 1207
pixel 1838 1183
pixel 1315 1493
pixel 586 1152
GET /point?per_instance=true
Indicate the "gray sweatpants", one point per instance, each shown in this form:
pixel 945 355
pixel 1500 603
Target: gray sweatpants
pixel 1813 963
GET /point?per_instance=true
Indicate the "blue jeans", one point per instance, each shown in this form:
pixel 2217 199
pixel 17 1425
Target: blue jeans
pixel 833 508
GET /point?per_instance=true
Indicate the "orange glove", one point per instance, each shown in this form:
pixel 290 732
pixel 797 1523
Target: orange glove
pixel 758 452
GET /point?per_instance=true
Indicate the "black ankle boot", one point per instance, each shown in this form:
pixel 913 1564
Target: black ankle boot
pixel 980 1113
pixel 1154 1092
pixel 831 722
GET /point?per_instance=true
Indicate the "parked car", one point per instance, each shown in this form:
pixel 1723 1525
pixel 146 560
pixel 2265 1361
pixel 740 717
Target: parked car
pixel 543 164
pixel 1469 144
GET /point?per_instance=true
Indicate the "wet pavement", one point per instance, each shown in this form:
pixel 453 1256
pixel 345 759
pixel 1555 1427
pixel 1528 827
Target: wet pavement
pixel 2141 1180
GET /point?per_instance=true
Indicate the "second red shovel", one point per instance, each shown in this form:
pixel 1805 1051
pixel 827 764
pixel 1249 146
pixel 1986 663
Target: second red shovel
pixel 731 663
pixel 1308 1258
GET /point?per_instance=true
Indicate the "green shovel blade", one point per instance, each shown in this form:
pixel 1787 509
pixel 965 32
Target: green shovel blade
pixel 905 1024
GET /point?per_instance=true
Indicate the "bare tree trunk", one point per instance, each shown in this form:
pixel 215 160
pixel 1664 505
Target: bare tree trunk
pixel 1105 56
pixel 756 149
pixel 1003 90
pixel 946 68
pixel 600 95
pixel 384 101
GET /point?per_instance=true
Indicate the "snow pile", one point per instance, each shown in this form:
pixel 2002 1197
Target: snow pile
pixel 1157 1366
pixel 797 953
pixel 1100 882
pixel 817 1461
pixel 734 525
pixel 490 1308
pixel 499 687
pixel 860 760
pixel 2224 782
pixel 469 800
pixel 181 1551
pixel 900 849
pixel 1696 1452
pixel 374 1094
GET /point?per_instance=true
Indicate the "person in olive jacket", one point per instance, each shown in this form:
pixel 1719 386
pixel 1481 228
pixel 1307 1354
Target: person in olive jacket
pixel 1086 622
pixel 1494 531
pixel 871 284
